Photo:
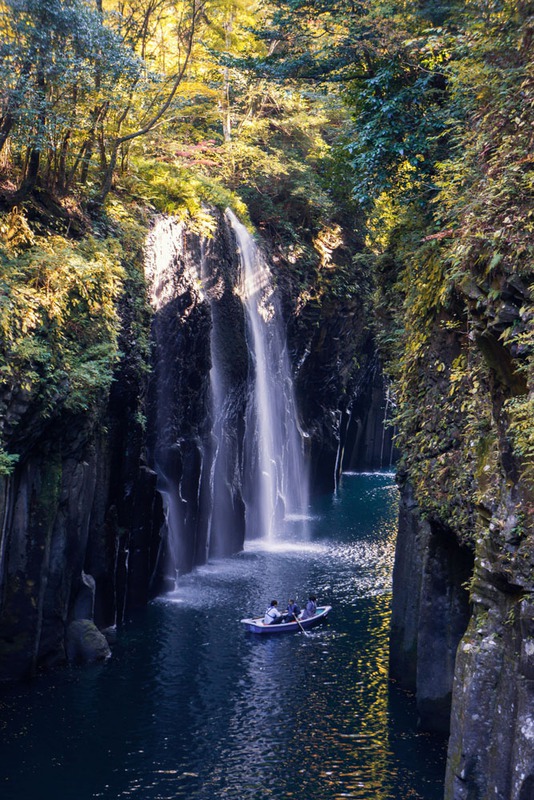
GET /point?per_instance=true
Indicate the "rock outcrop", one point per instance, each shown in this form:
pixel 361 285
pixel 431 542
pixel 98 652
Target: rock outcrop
pixel 430 611
pixel 85 644
pixel 463 609
pixel 85 512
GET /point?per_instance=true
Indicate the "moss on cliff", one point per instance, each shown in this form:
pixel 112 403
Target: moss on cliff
pixel 456 323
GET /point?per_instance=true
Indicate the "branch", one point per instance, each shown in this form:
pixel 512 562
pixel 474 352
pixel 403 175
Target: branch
pixel 177 81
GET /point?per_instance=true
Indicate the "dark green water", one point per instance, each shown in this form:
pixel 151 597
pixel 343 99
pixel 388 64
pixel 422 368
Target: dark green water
pixel 191 706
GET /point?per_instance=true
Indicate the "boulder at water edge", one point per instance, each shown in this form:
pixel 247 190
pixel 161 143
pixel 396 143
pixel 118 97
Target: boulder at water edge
pixel 85 644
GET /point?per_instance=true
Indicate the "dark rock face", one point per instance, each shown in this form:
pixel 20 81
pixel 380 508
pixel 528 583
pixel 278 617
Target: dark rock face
pixel 84 516
pixel 491 748
pixel 493 701
pixel 47 512
pixel 367 435
pixel 76 543
pixel 466 522
pixel 430 611
pixel 340 389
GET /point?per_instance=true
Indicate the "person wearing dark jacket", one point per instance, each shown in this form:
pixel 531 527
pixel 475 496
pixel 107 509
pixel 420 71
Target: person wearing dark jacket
pixel 310 608
pixel 293 610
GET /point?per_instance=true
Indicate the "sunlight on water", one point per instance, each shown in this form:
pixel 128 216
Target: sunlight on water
pixel 191 707
pixel 279 546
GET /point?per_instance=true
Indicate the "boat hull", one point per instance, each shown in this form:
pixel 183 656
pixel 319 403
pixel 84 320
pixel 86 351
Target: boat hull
pixel 256 625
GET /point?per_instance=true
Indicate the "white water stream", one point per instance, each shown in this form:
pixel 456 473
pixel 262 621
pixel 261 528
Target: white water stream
pixel 273 442
pixel 246 474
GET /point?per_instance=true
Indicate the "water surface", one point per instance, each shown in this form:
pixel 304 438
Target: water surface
pixel 191 706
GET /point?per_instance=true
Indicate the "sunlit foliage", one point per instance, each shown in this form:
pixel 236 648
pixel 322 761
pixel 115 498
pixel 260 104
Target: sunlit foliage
pixel 58 321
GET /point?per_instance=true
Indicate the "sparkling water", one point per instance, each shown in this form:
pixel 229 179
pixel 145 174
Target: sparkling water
pixel 191 706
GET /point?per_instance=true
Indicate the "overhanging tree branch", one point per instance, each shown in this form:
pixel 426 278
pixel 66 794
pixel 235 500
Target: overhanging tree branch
pixel 107 181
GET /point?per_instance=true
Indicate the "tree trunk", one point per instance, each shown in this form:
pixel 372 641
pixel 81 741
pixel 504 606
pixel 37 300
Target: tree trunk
pixel 30 178
pixel 107 180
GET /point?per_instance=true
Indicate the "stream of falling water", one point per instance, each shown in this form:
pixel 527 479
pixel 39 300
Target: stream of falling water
pixel 239 470
pixel 278 483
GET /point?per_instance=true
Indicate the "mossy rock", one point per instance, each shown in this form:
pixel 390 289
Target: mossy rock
pixel 85 644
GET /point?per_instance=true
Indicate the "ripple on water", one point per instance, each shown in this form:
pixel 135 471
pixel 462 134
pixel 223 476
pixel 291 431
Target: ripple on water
pixel 191 707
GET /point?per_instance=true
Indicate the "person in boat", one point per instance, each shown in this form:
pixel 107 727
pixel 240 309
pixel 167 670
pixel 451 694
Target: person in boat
pixel 310 607
pixel 293 610
pixel 272 615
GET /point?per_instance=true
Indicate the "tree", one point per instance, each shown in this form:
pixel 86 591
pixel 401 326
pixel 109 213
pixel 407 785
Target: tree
pixel 76 76
pixel 184 21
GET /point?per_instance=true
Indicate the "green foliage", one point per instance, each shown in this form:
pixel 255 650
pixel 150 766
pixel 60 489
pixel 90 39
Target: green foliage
pixel 7 462
pixel 388 65
pixel 178 190
pixel 453 272
pixel 58 324
pixel 521 412
pixel 62 72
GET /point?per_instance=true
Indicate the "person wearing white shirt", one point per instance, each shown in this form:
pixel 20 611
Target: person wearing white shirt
pixel 272 615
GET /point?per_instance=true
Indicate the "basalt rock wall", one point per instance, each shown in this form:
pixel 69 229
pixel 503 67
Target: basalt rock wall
pixel 341 390
pixel 462 622
pixel 430 611
pixel 84 533
pixel 66 515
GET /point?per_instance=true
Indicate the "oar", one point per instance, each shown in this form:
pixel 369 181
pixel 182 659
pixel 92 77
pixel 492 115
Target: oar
pixel 300 626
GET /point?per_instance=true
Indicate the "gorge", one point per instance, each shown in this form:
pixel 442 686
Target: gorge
pixel 105 545
pixel 371 164
pixel 135 502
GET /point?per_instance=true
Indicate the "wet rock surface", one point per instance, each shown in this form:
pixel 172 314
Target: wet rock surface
pixel 86 497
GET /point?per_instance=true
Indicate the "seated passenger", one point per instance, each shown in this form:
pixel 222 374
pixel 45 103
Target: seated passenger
pixel 272 615
pixel 293 610
pixel 310 608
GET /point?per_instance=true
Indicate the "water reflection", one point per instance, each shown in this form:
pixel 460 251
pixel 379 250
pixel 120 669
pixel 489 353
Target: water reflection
pixel 193 707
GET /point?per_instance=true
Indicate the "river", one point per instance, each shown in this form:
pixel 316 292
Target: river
pixel 192 706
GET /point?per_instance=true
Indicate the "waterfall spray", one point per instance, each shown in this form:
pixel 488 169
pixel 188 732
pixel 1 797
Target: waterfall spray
pixel 275 472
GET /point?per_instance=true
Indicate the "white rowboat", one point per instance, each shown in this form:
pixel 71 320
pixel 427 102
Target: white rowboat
pixel 256 624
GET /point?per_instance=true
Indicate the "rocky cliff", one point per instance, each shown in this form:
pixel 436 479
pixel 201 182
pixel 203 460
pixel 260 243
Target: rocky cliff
pixel 79 512
pixel 109 432
pixel 464 571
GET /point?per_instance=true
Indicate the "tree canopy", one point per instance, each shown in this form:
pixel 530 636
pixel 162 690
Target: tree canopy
pixel 399 128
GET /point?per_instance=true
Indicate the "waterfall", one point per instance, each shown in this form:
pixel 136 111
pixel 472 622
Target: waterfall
pixel 176 407
pixel 227 384
pixel 222 432
pixel 276 484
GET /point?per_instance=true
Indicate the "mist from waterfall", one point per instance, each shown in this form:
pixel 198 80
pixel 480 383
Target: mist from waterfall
pixel 275 475
pixel 222 431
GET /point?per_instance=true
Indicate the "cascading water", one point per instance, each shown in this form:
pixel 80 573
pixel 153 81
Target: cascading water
pixel 177 403
pixel 222 430
pixel 276 483
pixel 228 382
